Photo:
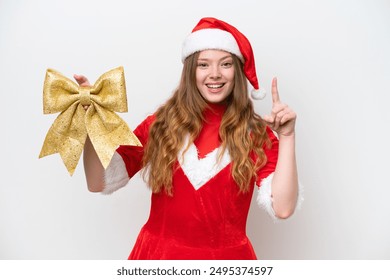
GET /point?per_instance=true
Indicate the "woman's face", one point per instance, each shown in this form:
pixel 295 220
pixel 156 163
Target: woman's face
pixel 215 75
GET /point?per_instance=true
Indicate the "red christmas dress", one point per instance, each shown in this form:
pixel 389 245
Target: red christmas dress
pixel 206 216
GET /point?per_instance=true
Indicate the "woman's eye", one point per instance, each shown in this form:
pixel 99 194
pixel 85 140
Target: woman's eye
pixel 202 65
pixel 227 64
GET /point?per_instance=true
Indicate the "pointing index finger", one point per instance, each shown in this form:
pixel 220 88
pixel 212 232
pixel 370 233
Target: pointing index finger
pixel 275 93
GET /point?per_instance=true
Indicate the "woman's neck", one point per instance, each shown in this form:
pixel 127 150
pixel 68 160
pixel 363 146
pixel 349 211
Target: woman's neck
pixel 214 111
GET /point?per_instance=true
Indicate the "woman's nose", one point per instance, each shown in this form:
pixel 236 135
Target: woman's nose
pixel 215 72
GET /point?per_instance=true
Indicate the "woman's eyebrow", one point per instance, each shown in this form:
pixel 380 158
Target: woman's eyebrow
pixel 206 58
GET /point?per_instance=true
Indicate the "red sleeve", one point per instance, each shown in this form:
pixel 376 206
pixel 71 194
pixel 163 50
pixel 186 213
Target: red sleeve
pixel 132 155
pixel 272 157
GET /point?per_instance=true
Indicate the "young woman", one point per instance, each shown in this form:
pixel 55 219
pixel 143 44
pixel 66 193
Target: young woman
pixel 203 152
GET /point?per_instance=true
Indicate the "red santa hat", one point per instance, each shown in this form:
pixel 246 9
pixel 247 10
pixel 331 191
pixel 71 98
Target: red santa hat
pixel 211 33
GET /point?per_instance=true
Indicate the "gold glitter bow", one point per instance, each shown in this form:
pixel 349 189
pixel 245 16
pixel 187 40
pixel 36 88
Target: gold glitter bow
pixel 104 127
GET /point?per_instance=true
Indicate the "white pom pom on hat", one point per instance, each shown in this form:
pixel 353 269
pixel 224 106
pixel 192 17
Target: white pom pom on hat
pixel 258 94
pixel 212 33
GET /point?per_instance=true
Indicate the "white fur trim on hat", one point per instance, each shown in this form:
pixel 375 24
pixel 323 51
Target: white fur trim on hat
pixel 211 38
pixel 115 176
pixel 264 197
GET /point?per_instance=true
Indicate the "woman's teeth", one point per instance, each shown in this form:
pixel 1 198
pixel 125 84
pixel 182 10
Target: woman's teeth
pixel 215 86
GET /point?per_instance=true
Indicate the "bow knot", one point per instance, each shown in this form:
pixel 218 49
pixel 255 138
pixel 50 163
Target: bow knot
pixel 70 129
pixel 85 96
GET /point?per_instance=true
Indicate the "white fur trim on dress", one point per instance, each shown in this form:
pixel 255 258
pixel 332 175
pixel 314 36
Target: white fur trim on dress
pixel 207 39
pixel 200 171
pixel 264 197
pixel 115 175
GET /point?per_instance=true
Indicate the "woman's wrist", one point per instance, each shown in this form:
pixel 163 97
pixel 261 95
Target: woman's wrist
pixel 287 137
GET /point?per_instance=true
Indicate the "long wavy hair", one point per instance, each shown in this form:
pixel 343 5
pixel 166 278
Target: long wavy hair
pixel 242 131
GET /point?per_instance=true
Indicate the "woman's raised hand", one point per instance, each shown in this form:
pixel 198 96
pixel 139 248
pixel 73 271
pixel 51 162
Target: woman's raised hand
pixel 282 118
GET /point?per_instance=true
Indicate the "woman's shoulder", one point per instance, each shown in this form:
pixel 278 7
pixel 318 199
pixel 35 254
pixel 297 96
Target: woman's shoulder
pixel 143 127
pixel 150 119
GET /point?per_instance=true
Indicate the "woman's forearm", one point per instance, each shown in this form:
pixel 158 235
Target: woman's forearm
pixel 285 180
pixel 94 171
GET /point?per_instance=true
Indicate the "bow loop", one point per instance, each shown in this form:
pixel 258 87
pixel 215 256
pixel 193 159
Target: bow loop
pixel 69 131
pixel 110 90
pixel 59 92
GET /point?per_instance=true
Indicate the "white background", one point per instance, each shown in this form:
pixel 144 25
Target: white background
pixel 333 64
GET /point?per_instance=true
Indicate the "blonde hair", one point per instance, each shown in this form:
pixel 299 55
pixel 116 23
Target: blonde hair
pixel 242 131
